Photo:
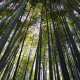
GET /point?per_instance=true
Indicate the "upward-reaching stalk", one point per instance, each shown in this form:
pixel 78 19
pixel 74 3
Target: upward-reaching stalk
pixel 49 47
pixel 62 60
pixel 11 26
pixel 3 6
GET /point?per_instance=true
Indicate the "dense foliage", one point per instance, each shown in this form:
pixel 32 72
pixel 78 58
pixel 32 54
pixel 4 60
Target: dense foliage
pixel 39 40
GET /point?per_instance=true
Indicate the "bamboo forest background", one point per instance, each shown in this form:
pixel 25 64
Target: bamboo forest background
pixel 39 39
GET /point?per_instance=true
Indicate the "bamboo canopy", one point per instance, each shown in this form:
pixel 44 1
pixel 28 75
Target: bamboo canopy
pixel 39 40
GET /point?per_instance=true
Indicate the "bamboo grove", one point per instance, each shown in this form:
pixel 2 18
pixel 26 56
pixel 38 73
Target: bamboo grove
pixel 39 40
